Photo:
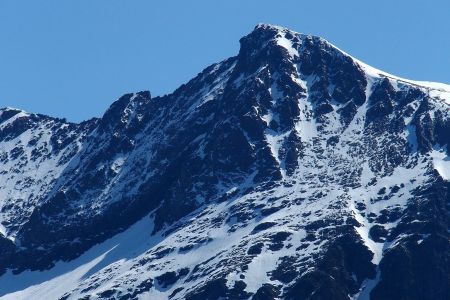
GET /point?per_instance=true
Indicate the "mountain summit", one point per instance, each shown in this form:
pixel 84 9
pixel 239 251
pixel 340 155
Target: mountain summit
pixel 290 171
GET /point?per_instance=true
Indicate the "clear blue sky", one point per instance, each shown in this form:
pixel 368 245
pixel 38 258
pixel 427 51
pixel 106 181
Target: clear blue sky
pixel 73 58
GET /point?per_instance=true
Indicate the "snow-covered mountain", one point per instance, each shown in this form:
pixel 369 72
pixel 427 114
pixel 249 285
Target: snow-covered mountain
pixel 290 171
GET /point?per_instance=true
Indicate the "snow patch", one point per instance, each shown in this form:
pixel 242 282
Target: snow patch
pixel 65 276
pixel 441 162
pixel 287 44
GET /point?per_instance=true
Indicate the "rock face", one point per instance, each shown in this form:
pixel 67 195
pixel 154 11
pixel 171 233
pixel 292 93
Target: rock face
pixel 290 171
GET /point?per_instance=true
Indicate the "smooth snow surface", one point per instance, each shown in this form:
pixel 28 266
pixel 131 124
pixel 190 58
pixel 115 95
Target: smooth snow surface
pixel 64 276
pixel 441 162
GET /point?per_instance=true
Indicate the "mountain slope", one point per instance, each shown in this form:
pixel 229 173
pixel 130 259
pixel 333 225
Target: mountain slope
pixel 290 171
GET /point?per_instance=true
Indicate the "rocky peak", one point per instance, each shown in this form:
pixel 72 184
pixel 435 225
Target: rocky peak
pixel 7 113
pixel 323 175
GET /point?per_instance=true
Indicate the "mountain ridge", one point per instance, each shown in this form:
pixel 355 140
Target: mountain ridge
pixel 326 177
pixel 445 87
